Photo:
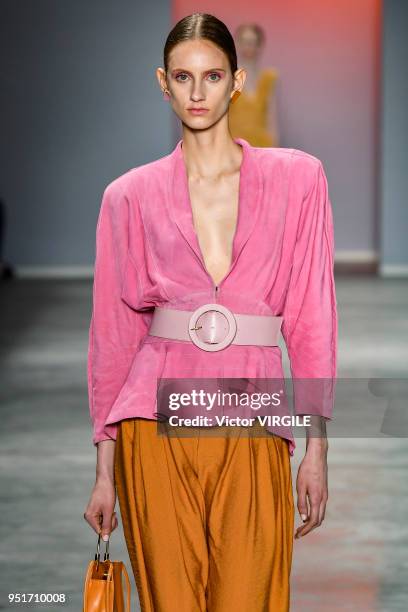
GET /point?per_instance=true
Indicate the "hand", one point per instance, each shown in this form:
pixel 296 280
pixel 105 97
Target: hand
pixel 100 510
pixel 311 485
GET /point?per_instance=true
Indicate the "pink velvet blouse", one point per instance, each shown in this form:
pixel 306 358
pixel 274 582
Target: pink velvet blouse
pixel 147 254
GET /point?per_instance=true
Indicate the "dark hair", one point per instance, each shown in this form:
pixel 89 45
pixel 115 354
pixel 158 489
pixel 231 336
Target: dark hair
pixel 252 26
pixel 202 25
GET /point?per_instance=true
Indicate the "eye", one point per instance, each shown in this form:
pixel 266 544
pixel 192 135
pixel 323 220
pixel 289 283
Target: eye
pixel 181 74
pixel 214 74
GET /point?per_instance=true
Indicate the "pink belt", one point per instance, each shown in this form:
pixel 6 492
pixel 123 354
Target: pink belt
pixel 212 327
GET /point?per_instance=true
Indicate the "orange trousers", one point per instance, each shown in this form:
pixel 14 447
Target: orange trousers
pixel 208 521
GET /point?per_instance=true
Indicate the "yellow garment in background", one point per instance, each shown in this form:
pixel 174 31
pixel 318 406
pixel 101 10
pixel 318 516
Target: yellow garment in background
pixel 248 114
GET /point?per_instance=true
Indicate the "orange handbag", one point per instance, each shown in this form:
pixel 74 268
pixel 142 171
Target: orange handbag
pixel 103 586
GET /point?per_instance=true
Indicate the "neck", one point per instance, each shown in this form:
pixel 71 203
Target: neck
pixel 208 154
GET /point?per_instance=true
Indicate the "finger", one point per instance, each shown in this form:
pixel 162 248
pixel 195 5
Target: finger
pixel 94 519
pixel 114 521
pixel 313 520
pixel 303 509
pixel 302 504
pixel 314 513
pixel 322 510
pixel 106 525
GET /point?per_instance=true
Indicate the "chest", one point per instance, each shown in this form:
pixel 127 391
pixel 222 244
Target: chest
pixel 214 209
pixel 230 234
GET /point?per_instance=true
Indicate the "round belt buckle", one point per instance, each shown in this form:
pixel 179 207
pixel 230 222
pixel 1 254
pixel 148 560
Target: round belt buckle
pixel 212 327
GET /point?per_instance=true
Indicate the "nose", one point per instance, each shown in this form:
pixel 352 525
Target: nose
pixel 197 93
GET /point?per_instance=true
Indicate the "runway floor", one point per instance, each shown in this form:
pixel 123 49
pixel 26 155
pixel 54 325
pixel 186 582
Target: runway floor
pixel 357 560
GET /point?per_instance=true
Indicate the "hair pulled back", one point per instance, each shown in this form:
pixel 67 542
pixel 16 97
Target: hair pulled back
pixel 202 25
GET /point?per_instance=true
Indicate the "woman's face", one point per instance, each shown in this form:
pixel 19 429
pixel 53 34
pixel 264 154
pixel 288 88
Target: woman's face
pixel 198 77
pixel 247 43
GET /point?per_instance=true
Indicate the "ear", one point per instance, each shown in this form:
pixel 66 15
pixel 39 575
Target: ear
pixel 161 78
pixel 239 79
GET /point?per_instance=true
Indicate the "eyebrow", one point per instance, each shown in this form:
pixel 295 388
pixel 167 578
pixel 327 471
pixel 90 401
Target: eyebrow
pixel 209 70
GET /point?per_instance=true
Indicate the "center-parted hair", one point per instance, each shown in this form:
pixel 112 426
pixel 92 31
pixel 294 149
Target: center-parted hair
pixel 202 25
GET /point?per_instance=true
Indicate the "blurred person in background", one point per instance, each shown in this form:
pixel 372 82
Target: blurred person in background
pixel 254 114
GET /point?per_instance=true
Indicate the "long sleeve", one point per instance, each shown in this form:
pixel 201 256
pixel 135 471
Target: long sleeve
pixel 116 329
pixel 309 323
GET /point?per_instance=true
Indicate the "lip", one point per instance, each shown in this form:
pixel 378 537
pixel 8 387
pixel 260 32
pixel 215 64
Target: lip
pixel 198 111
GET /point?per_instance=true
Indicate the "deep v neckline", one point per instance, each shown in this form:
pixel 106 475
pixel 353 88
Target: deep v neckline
pixel 232 250
pixel 249 203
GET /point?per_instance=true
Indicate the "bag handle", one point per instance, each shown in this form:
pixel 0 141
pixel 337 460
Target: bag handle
pixel 98 548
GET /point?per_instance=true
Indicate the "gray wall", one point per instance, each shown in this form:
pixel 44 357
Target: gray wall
pixel 79 105
pixel 394 213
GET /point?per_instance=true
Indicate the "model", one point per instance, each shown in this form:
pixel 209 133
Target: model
pixel 186 245
pixel 255 115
